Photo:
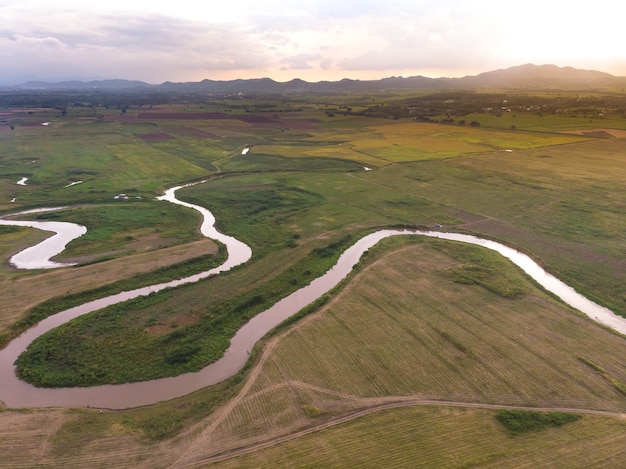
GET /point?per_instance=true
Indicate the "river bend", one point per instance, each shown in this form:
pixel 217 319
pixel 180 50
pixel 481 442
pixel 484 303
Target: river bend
pixel 17 393
pixel 39 256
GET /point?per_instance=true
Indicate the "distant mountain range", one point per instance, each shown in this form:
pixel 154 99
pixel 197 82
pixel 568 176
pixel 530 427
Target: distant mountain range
pixel 527 76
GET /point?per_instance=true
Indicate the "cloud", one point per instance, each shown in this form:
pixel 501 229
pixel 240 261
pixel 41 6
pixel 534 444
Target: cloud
pixel 330 36
pixel 437 39
pixel 300 61
pixel 150 47
pixel 46 43
pixel 316 39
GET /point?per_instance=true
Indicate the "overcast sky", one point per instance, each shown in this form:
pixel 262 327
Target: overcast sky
pixel 189 40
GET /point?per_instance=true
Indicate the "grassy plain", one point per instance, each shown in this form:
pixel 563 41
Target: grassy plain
pixel 547 122
pixel 404 328
pixel 427 320
pixel 561 204
pixel 106 159
pixel 438 437
pixel 443 336
pixel 388 336
pixel 26 297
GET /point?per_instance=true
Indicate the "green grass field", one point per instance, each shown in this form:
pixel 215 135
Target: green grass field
pixel 435 437
pixel 425 319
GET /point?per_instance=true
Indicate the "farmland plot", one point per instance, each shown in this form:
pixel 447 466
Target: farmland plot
pixel 412 330
pixel 416 323
pixel 436 437
pixel 403 328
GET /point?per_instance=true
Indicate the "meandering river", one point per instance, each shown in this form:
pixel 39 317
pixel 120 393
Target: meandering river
pixel 17 393
pixel 40 255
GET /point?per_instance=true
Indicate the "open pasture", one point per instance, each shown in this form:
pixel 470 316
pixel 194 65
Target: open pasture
pixel 268 120
pixel 142 165
pixel 561 204
pixel 269 208
pixel 378 145
pixel 254 161
pixel 422 141
pixel 414 325
pixel 334 150
pixel 107 160
pixel 429 437
pixel 404 327
pixel 419 318
pixel 547 122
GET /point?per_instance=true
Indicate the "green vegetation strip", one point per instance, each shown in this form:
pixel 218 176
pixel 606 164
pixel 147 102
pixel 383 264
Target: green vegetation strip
pixel 524 421
pixel 616 383
pixel 163 274
pixel 483 267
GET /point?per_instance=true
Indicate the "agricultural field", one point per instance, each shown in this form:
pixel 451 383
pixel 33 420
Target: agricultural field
pixel 418 351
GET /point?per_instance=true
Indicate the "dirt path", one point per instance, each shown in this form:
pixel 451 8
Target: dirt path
pixel 201 441
pixel 205 437
pixel 384 404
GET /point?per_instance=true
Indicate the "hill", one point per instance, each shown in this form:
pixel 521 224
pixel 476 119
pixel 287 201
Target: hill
pixel 528 76
pixel 543 76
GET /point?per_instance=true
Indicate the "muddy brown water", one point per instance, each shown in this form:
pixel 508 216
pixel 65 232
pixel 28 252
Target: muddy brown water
pixel 17 393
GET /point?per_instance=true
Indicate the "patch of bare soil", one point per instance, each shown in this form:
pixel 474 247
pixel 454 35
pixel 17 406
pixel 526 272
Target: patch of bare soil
pixel 184 115
pixel 155 137
pixel 466 217
pixel 25 436
pixel 195 133
pixel 254 119
pixel 174 322
pixel 19 294
pixel 119 118
pixel 149 243
pixel 26 110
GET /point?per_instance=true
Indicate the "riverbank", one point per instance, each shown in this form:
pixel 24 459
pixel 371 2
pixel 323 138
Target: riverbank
pixel 19 393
